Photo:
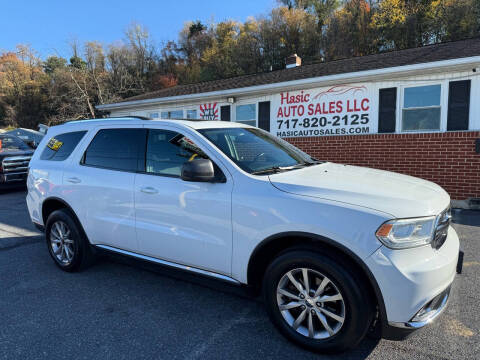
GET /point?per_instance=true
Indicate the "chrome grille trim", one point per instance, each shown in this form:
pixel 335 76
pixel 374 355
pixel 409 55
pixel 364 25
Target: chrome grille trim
pixel 14 168
pixel 15 164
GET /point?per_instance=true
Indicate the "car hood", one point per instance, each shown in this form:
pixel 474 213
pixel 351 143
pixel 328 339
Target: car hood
pixel 9 153
pixel 398 195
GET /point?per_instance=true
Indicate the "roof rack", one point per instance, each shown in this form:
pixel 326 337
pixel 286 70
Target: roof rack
pixel 131 117
pixel 182 119
pixel 137 117
pixel 110 118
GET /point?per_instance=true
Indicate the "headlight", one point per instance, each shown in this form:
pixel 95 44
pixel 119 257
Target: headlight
pixel 407 233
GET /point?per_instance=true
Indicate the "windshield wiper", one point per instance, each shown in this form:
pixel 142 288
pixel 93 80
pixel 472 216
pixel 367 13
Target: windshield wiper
pixel 277 169
pixel 310 163
pixel 273 169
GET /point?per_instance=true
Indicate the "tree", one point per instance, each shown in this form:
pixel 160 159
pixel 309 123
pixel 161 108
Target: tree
pixel 450 20
pixel 248 52
pixel 22 81
pixel 349 32
pixel 322 9
pixel 286 32
pixel 218 59
pixel 401 24
pixel 142 52
pixel 53 63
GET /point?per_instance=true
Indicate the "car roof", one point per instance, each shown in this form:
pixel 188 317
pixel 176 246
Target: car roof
pixel 132 120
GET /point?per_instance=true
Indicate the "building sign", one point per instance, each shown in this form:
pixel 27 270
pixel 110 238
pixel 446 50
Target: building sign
pixel 209 111
pixel 335 110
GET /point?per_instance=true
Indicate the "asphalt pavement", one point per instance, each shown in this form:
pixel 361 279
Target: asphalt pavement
pixel 124 310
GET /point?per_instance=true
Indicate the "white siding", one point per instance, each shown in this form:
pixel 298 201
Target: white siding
pixel 442 78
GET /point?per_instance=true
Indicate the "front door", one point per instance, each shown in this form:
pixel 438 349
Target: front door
pixel 188 223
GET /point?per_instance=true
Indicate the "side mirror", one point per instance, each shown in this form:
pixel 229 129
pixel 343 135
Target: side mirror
pixel 198 170
pixel 33 144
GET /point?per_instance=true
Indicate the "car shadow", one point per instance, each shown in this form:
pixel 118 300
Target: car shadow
pixel 13 189
pixel 8 243
pixel 362 351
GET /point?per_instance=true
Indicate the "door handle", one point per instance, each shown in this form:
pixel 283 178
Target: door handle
pixel 74 180
pixel 149 190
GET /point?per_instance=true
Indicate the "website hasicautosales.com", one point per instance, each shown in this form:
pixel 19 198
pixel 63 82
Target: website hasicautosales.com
pixel 320 132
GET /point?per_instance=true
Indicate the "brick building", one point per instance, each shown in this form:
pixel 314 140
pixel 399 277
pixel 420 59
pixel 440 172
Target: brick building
pixel 414 111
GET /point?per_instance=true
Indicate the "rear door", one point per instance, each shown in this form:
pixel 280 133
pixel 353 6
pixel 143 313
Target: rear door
pixel 98 185
pixel 184 222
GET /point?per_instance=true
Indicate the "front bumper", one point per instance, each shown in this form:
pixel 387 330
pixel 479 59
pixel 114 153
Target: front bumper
pixel 428 313
pixel 414 279
pixel 13 178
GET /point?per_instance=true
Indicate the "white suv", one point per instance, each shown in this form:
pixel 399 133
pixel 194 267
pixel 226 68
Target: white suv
pixel 335 249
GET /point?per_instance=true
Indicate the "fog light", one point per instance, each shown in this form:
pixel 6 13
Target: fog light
pixel 432 307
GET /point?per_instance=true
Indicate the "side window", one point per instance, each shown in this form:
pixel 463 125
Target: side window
pixel 117 149
pixel 167 151
pixel 61 146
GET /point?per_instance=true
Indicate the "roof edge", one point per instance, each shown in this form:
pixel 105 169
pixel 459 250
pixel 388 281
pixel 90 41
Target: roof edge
pixel 266 87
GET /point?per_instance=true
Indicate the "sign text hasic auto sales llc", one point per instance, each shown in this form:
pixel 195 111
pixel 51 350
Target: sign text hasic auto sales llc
pixel 335 110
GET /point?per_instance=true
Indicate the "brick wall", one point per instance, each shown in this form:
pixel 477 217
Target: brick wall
pixel 448 159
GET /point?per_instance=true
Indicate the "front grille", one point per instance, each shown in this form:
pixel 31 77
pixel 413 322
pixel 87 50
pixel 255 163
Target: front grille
pixel 14 166
pixel 441 228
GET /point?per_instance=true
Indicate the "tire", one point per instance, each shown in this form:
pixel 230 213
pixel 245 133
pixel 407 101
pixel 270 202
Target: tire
pixel 344 304
pixel 72 251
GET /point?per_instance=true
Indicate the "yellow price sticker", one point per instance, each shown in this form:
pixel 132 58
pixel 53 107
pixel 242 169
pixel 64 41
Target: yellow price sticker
pixel 54 144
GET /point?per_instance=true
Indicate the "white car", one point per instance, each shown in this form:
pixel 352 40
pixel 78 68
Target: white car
pixel 336 250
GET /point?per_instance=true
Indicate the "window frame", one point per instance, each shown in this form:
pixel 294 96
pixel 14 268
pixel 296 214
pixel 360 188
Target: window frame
pixel 441 106
pixel 221 177
pixel 144 171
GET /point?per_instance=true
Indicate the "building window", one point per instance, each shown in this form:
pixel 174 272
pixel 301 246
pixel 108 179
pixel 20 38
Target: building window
pixel 173 114
pixel 191 114
pixel 421 108
pixel 247 114
pixel 153 115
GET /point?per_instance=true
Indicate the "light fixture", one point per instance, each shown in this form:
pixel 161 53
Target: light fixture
pixel 231 100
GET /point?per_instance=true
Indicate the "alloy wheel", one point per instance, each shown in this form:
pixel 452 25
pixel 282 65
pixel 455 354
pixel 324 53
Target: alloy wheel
pixel 311 303
pixel 62 243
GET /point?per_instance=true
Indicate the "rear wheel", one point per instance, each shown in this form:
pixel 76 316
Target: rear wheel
pixel 66 243
pixel 317 302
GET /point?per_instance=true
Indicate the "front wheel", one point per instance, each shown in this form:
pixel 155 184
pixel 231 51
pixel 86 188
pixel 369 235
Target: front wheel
pixel 317 302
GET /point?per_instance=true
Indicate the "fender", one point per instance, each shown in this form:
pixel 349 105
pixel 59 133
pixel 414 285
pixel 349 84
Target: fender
pixel 318 239
pixel 67 206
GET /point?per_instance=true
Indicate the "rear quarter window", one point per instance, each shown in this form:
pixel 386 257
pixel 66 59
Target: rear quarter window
pixel 60 147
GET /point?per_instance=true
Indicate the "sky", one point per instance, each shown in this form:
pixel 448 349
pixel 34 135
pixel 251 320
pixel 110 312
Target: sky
pixel 49 25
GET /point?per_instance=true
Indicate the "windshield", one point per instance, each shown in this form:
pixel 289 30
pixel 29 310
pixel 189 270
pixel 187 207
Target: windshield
pixel 256 151
pixel 8 143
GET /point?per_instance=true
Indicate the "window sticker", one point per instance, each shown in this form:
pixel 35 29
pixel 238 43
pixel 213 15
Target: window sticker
pixel 54 144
